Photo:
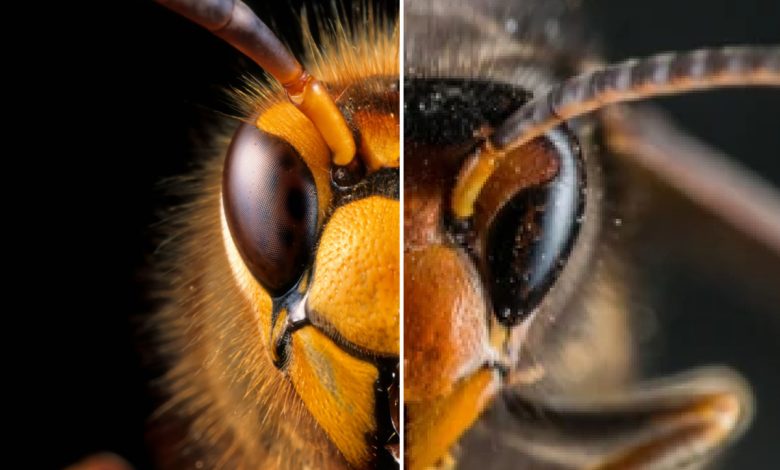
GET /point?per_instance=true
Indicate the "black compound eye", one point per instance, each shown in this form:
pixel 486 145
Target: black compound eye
pixel 532 235
pixel 270 202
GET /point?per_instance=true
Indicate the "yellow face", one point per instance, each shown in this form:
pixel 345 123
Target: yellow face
pixel 284 323
pixel 331 324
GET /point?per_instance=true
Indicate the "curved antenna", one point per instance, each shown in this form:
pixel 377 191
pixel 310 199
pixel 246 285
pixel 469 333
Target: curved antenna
pixel 235 23
pixel 664 74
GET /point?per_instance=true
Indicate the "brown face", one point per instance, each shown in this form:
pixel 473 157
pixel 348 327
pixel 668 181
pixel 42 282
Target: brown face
pixel 497 268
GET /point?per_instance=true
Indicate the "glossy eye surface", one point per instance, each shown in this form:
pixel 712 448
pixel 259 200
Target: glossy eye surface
pixel 531 236
pixel 270 202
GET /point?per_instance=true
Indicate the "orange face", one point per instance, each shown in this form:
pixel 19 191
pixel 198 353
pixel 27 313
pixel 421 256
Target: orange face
pixel 331 326
pixel 283 329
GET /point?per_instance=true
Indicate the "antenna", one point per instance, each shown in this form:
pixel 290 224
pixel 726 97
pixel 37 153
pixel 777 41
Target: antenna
pixel 664 74
pixel 235 23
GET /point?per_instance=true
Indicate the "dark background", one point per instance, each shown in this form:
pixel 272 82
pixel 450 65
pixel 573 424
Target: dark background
pixel 138 85
pixel 708 295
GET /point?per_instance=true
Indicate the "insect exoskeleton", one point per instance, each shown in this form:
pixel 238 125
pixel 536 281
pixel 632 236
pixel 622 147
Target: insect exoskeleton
pixel 527 225
pixel 505 198
pixel 499 265
pixel 282 326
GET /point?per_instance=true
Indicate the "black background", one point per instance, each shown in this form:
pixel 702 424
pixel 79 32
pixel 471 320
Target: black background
pixel 138 84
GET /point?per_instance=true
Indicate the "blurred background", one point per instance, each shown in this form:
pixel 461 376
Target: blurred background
pixel 160 87
pixel 709 294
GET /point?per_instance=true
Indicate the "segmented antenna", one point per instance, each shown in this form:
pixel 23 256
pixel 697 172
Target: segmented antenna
pixel 664 74
pixel 237 24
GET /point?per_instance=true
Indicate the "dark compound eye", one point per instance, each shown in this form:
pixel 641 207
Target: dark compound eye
pixel 532 235
pixel 270 202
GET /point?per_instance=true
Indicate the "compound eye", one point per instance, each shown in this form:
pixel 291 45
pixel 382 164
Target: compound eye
pixel 531 236
pixel 270 202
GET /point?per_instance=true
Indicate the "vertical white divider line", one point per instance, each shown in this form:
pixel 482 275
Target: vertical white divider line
pixel 401 413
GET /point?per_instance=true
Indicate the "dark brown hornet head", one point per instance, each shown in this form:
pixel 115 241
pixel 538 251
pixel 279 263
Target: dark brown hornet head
pixel 499 265
pixel 503 201
pixel 286 304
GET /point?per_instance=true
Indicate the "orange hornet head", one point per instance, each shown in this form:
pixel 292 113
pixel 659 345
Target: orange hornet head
pixel 309 219
pixel 315 247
